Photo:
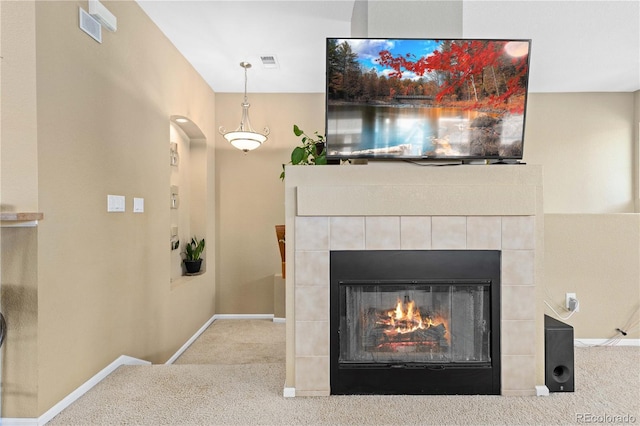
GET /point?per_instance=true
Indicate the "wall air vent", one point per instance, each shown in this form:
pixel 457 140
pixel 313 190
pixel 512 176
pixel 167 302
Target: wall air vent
pixel 90 26
pixel 269 61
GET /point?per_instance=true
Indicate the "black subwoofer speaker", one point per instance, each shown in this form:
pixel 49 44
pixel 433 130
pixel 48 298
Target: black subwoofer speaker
pixel 558 355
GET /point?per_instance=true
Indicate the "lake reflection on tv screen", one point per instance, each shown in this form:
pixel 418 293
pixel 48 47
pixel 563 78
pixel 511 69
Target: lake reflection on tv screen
pixel 361 130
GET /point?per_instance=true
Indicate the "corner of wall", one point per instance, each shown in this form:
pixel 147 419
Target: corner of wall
pixel 360 18
pixel 636 147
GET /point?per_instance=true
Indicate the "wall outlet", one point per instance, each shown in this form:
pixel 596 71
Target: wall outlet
pixel 571 302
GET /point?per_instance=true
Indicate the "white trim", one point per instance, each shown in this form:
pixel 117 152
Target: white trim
pixel 243 316
pixel 289 392
pixel 8 421
pixel 606 342
pixel 190 341
pixel 86 386
pixel 280 320
pixel 25 224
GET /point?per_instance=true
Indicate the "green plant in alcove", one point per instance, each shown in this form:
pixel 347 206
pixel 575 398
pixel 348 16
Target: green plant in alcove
pixel 193 249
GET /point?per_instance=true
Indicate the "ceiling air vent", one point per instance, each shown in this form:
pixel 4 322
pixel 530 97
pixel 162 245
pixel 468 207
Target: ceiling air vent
pixel 269 61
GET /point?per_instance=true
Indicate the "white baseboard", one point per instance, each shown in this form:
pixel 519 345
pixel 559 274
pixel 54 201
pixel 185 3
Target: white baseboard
pixel 606 342
pixel 190 341
pixel 289 392
pixel 243 316
pixel 280 320
pixel 86 386
pixel 7 421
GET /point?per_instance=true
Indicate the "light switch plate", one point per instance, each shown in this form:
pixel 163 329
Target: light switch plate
pixel 115 203
pixel 138 205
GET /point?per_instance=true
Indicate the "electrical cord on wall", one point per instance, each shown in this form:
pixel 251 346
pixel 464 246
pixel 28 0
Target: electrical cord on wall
pixel 560 316
pixel 630 326
pixel 550 297
pixel 3 329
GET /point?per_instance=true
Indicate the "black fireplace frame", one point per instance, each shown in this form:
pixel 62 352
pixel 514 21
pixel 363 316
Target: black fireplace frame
pixel 419 266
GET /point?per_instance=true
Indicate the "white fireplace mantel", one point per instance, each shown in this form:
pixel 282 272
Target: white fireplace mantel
pixel 391 205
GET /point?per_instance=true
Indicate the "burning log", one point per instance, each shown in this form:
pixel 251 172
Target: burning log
pixel 433 334
pixel 402 329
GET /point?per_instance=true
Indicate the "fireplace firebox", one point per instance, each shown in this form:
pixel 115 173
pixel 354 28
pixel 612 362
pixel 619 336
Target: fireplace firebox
pixel 415 322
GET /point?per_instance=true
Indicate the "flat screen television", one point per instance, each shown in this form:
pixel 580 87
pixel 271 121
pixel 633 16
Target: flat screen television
pixel 436 99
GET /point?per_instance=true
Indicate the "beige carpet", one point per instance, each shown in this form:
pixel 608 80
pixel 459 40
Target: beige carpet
pixel 238 342
pixel 207 386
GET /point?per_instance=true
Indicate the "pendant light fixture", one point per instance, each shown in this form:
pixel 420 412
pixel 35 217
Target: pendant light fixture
pixel 244 137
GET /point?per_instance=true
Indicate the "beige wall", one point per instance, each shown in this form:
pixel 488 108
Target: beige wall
pixel 102 122
pixel 19 184
pixel 250 196
pixel 586 143
pixel 18 192
pixel 597 257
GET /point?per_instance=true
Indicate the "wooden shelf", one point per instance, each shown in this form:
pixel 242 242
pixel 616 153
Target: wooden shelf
pixel 11 219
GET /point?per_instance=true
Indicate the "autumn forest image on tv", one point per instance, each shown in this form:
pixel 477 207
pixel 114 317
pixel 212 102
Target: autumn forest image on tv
pixel 412 98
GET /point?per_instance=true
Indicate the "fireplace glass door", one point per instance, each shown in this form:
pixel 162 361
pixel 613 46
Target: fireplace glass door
pixel 423 322
pixel 426 323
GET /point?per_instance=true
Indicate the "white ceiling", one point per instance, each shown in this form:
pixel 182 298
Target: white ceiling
pixel 577 46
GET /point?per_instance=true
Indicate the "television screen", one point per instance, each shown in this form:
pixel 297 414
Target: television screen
pixel 426 98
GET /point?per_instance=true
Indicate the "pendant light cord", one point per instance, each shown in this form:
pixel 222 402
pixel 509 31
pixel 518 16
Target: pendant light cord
pixel 245 84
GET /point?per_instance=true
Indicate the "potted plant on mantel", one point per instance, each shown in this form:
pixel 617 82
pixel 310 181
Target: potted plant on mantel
pixel 312 150
pixel 192 252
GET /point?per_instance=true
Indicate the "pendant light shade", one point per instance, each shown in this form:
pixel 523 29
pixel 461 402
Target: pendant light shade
pixel 244 137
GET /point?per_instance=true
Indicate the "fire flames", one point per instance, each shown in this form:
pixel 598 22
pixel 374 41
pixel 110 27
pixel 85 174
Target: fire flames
pixel 406 318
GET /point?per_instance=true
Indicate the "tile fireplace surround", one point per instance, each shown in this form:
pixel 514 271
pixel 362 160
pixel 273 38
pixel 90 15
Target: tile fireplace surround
pixel 400 206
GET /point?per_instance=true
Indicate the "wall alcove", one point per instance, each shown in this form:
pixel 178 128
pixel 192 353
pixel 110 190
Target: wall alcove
pixel 186 159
